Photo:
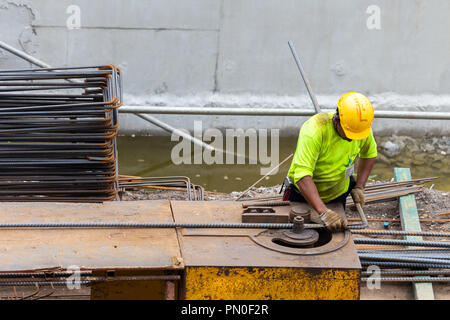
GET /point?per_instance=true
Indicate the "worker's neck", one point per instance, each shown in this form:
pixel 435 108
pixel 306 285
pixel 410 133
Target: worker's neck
pixel 337 127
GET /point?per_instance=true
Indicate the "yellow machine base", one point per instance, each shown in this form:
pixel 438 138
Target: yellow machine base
pixel 231 283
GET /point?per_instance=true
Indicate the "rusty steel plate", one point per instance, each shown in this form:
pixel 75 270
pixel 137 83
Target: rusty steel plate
pixel 235 247
pixel 91 248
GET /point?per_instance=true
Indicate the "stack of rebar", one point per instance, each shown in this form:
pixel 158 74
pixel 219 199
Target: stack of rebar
pixel 431 262
pixel 380 192
pixel 58 132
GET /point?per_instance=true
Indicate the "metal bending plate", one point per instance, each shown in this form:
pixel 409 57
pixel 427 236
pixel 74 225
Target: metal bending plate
pixel 234 247
pixel 31 249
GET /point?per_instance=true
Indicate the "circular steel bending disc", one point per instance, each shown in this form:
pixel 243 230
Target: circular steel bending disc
pixel 305 238
pixel 264 239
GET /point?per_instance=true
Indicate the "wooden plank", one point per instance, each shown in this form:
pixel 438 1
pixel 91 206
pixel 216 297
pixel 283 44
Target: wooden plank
pixel 410 222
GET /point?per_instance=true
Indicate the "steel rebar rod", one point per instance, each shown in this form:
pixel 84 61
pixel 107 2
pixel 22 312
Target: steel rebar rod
pixel 304 77
pixel 402 259
pixel 43 274
pixel 375 186
pixel 407 251
pixel 42 283
pixel 408 272
pixel 391 264
pixel 363 218
pixel 88 280
pixel 403 233
pixel 84 276
pixel 180 225
pixel 152 225
pixel 266 204
pixel 259 180
pixel 402 242
pixel 445 256
pixel 408 279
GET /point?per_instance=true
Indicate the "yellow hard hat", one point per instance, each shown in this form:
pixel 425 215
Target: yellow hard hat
pixel 356 115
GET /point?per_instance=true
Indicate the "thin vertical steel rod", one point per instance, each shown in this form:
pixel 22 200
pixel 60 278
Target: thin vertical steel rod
pixel 304 77
pixel 268 173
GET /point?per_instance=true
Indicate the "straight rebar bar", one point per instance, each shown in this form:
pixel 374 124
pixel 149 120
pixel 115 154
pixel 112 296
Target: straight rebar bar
pixel 402 242
pixel 408 279
pixel 154 225
pixel 390 264
pixel 304 77
pixel 408 272
pixel 403 259
pixel 404 233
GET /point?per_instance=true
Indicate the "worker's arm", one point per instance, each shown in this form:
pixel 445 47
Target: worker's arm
pixel 364 168
pixel 303 164
pixel 367 156
pixel 310 193
pixel 330 219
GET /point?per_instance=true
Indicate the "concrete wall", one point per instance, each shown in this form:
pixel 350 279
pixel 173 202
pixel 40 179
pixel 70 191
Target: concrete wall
pixel 217 50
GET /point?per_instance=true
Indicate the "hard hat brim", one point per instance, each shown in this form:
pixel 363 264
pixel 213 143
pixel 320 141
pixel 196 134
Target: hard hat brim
pixel 357 135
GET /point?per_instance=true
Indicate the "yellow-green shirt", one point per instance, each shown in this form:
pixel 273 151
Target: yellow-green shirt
pixel 324 156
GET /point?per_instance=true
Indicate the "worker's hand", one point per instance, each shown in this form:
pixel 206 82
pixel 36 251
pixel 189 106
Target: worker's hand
pixel 333 221
pixel 358 195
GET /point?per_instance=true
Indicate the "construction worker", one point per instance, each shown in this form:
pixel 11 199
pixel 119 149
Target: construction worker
pixel 323 163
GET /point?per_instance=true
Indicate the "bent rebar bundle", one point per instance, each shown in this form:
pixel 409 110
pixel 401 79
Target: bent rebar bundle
pixel 58 132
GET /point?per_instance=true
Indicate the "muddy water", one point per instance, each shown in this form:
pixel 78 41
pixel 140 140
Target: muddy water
pixel 151 156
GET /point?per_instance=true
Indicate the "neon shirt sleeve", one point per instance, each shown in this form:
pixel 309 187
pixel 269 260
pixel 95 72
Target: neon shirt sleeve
pixel 369 148
pixel 306 154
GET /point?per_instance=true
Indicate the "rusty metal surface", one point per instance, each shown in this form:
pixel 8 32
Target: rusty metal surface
pixel 281 212
pixel 31 249
pixel 234 247
pixel 271 214
pixel 136 285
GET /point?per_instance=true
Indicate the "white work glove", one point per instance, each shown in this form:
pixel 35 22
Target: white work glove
pixel 358 195
pixel 333 221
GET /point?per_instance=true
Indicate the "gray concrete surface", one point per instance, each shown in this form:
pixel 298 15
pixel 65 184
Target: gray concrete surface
pixel 225 49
